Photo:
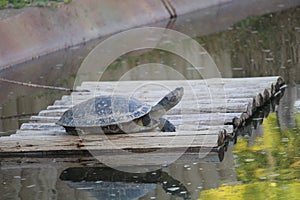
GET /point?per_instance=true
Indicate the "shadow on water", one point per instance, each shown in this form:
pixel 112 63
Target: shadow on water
pixel 108 183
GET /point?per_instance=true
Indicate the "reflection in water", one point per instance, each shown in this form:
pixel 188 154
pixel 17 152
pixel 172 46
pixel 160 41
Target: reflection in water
pixel 76 178
pixel 258 46
pixel 113 190
pixel 269 168
pixel 17 102
pixel 266 165
pixel 18 110
pixel 286 117
pixel 108 183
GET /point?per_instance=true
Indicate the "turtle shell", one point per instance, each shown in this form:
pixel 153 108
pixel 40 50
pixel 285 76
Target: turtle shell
pixel 103 111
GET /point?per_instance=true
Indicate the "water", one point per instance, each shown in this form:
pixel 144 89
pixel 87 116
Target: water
pixel 263 166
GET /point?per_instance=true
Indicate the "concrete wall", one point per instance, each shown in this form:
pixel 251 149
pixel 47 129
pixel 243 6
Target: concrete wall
pixel 31 32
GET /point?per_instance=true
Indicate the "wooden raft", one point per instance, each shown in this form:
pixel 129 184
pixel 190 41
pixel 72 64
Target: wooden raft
pixel 199 119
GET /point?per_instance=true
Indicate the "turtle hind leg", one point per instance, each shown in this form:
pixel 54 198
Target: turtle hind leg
pixel 146 120
pixel 166 126
pixel 71 130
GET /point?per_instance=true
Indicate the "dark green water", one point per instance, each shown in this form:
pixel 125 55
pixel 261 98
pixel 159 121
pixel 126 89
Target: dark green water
pixel 263 166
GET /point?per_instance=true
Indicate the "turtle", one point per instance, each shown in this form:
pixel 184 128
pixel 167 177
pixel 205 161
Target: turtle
pixel 113 114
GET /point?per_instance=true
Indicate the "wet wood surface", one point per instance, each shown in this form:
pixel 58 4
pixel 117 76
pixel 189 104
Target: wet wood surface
pixel 199 119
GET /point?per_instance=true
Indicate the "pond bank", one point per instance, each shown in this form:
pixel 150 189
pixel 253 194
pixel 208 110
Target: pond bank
pixel 33 31
pixel 45 30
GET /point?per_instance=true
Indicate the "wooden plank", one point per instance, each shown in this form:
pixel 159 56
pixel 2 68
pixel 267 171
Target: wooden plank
pixel 233 82
pixel 198 118
pixel 54 127
pixel 200 87
pixel 156 140
pixel 176 119
pixel 153 92
pixel 44 119
pixel 199 101
pixel 183 108
pixel 155 95
pixel 54 130
pixel 185 116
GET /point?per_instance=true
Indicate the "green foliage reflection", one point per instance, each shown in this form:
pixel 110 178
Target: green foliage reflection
pixel 268 169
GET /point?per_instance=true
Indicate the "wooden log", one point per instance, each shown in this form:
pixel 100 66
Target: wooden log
pixel 64 105
pixel 262 104
pixel 157 95
pixel 44 119
pixel 100 143
pixel 54 127
pixel 151 91
pixel 199 119
pixel 177 119
pixel 31 129
pixel 183 108
pixel 190 119
pixel 230 82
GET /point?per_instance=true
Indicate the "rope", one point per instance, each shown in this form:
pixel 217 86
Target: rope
pixel 41 86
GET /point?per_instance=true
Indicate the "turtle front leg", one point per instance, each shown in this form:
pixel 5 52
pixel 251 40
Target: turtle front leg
pixel 166 126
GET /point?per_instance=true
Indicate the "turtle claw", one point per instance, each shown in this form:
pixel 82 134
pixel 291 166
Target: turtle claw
pixel 166 126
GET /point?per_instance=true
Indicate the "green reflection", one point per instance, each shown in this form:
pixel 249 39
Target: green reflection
pixel 268 169
pixel 257 46
pixel 256 190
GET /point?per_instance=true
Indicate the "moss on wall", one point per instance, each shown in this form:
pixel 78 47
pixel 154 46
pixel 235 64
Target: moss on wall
pixel 22 3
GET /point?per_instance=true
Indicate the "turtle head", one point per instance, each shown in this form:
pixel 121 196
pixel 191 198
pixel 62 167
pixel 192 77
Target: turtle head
pixel 171 99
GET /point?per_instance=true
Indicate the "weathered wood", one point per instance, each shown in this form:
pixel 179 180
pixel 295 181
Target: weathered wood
pixel 51 129
pixel 199 119
pixel 114 147
pixel 228 82
pixel 55 127
pixel 262 105
pixel 183 108
pixel 63 104
pixel 190 94
pixel 177 119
